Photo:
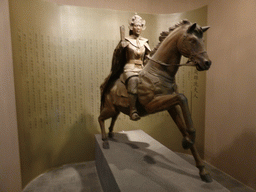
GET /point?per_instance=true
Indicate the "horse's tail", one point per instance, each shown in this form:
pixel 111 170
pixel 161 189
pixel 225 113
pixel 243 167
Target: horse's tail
pixel 103 90
pixel 106 86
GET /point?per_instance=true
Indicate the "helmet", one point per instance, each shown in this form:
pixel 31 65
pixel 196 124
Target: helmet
pixel 135 20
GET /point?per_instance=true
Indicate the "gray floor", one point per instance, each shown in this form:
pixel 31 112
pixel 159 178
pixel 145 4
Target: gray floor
pixel 83 177
pixel 222 178
pixel 79 177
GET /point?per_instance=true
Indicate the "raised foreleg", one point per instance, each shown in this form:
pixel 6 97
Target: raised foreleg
pixel 161 103
pixel 167 102
pixel 183 120
pixel 188 137
pixel 187 116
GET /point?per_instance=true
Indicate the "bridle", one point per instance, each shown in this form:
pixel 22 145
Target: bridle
pixel 190 62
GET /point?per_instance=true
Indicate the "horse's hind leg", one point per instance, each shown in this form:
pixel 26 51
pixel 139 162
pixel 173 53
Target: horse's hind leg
pixel 106 113
pixel 101 120
pixel 110 133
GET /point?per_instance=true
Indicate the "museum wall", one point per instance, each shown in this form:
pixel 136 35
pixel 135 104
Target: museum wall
pixel 10 177
pixel 60 58
pixel 230 106
pixel 142 6
pixel 230 135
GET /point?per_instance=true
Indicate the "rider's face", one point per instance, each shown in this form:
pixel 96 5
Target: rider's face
pixel 137 29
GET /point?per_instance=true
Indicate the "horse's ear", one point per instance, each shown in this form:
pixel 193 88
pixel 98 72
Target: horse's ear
pixel 191 28
pixel 205 28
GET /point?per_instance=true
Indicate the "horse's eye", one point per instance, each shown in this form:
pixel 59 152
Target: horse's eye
pixel 193 41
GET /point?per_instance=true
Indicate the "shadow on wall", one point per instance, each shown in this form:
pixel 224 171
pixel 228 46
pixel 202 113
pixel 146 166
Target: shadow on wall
pixel 80 145
pixel 48 149
pixel 241 156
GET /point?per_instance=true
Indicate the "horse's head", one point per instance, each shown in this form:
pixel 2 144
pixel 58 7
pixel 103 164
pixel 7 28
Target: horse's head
pixel 191 45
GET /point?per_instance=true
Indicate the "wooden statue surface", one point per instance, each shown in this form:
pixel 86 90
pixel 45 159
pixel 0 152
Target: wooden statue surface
pixel 157 90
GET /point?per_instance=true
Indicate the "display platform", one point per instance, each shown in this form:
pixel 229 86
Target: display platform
pixel 137 162
pixel 83 176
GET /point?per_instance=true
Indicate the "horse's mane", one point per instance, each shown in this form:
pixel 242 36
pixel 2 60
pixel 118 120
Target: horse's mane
pixel 164 34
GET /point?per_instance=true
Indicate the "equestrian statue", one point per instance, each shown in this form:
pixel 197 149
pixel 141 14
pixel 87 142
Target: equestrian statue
pixel 142 82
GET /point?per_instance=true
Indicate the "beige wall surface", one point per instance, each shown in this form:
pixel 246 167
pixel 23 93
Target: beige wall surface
pixel 60 58
pixel 142 6
pixel 10 176
pixel 230 102
pixel 231 88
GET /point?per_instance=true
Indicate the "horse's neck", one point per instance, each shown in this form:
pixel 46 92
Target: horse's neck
pixel 168 50
pixel 167 53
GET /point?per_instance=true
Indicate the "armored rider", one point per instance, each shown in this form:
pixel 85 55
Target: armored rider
pixel 136 49
pixel 128 60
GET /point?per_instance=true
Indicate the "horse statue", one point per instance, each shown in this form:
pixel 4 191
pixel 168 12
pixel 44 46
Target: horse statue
pixel 157 90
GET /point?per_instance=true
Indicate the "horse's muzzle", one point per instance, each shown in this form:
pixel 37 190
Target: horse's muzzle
pixel 205 65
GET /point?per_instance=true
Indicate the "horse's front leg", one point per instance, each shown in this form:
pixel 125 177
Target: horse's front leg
pixel 204 174
pixel 183 120
pixel 188 130
pixel 186 113
pixel 183 103
pixel 170 102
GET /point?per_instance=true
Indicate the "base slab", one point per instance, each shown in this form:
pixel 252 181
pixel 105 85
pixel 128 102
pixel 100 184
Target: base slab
pixel 137 162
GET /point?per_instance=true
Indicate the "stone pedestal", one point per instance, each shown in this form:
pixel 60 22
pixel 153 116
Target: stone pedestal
pixel 136 162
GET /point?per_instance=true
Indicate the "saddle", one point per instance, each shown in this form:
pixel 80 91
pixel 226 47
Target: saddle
pixel 120 94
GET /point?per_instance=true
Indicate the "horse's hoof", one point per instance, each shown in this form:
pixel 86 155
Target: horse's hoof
pixel 192 135
pixel 206 178
pixel 135 116
pixel 105 145
pixel 110 134
pixel 187 143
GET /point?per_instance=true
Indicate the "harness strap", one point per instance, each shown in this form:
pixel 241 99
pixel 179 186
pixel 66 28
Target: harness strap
pixel 188 63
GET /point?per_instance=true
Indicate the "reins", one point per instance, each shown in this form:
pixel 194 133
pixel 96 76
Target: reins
pixel 188 63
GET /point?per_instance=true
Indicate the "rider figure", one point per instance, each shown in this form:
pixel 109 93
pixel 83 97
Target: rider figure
pixel 136 49
pixel 128 60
